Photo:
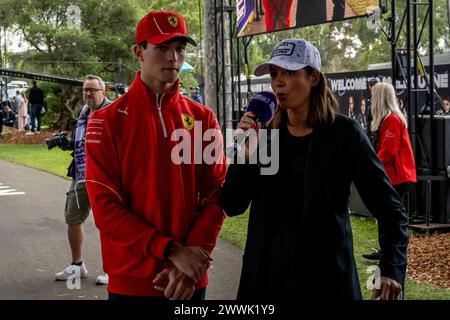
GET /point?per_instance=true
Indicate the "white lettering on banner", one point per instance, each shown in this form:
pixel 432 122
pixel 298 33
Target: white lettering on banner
pixel 341 85
pixel 7 191
pixel 356 84
pixel 440 81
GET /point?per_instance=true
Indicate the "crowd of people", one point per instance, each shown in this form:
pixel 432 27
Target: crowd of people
pixel 24 111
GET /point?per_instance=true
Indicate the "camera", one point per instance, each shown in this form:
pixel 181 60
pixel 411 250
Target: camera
pixel 59 140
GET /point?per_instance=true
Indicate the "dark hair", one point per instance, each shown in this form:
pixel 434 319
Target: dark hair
pixel 143 44
pixel 322 109
pixel 446 98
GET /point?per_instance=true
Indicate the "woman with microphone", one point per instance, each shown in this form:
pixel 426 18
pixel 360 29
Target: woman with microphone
pixel 299 242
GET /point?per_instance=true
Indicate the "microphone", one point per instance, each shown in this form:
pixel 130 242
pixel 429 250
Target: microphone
pixel 263 105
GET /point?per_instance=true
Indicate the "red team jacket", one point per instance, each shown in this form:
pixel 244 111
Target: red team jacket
pixel 140 198
pixel 395 151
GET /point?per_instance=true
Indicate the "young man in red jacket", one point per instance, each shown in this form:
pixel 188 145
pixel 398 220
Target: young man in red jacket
pixel 158 217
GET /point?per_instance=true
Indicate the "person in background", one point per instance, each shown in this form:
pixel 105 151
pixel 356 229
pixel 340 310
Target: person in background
pixel 351 108
pixel 299 241
pixel 392 144
pixel 445 107
pixel 370 83
pixel 36 99
pixel 183 90
pixel 15 104
pixel 158 218
pixel 310 12
pixel 196 95
pixel 338 9
pixel 9 117
pixel 277 14
pixel 23 112
pixel 362 117
pixel 77 201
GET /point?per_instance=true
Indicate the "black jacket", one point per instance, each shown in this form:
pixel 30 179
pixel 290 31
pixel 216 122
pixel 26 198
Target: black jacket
pixel 323 246
pixel 36 96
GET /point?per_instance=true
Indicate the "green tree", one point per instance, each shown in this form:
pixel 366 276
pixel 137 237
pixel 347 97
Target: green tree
pixel 350 45
pixel 101 44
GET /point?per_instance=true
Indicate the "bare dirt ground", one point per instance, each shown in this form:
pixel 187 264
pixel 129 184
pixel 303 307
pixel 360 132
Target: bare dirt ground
pixel 429 259
pixel 13 136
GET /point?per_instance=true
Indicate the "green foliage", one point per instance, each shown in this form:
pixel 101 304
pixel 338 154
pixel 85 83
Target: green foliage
pixel 350 45
pixel 188 80
pixel 101 45
pixel 54 103
pixel 234 229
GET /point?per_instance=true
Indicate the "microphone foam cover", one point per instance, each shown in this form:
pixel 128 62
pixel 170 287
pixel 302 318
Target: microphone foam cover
pixel 263 104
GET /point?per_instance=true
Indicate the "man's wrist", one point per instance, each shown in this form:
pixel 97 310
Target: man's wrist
pixel 169 249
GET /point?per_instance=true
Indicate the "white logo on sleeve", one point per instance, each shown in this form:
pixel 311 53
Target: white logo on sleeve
pixel 123 111
pixel 389 134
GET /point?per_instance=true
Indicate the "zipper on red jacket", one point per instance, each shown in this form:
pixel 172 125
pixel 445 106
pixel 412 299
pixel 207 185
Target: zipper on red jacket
pixel 158 103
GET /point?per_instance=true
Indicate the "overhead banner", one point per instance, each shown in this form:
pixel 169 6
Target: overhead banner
pixel 262 16
pixel 352 91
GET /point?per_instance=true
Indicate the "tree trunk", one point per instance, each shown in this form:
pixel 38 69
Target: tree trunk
pixel 210 56
pixel 211 84
pixel 72 107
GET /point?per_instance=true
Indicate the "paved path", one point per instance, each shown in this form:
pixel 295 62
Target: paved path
pixel 33 242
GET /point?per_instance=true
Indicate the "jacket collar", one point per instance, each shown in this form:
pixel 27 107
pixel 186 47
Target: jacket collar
pixel 140 89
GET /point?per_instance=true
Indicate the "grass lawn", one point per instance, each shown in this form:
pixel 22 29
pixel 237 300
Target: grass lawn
pixel 54 161
pixel 235 229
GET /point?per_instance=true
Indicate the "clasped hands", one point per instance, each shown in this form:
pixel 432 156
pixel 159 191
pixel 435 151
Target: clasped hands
pixel 190 264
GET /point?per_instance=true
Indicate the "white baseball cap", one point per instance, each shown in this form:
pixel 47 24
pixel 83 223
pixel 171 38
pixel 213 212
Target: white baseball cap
pixel 291 54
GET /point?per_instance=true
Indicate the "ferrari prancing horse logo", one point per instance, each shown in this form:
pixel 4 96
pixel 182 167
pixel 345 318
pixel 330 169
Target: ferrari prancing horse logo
pixel 188 121
pixel 173 21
